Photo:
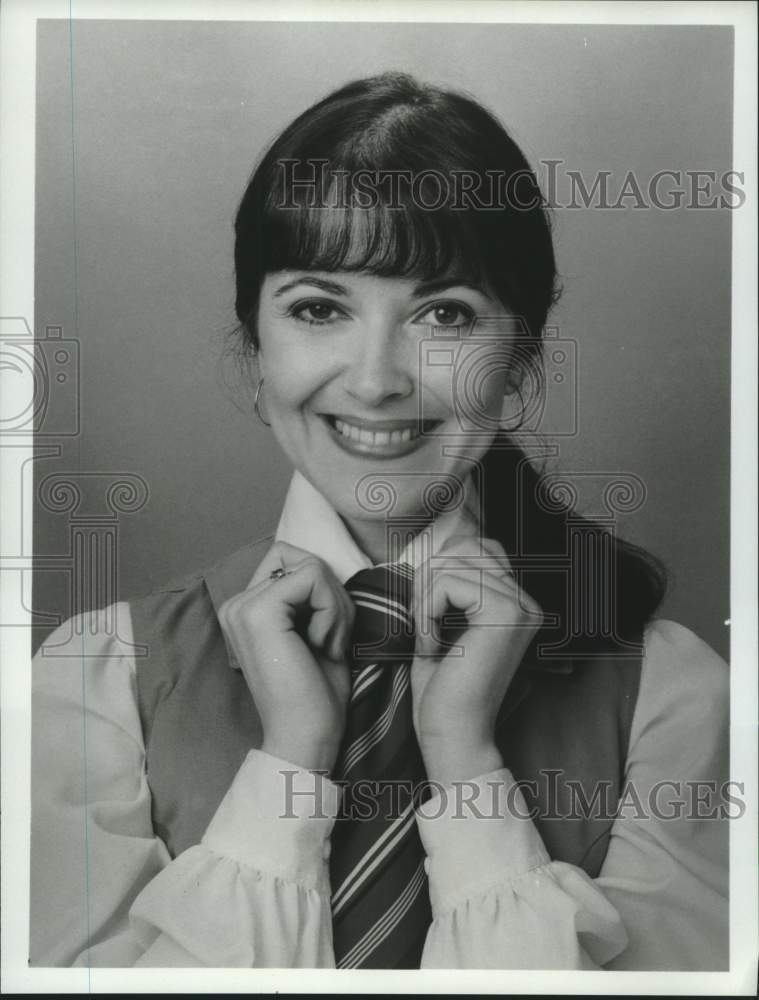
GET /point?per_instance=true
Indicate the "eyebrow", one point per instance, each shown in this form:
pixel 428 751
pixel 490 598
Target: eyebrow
pixel 327 286
pixel 426 288
pixel 441 284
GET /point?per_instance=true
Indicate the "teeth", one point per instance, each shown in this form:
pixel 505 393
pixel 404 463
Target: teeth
pixel 375 438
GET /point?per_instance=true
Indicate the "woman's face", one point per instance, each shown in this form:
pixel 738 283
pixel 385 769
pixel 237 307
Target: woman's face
pixel 357 383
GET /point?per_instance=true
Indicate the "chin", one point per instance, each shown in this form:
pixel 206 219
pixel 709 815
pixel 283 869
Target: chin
pixel 382 496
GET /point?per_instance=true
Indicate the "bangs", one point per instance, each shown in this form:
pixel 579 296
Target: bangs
pixel 395 179
pixel 398 239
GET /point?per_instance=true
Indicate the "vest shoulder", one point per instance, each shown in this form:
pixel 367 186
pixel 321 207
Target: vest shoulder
pixel 232 572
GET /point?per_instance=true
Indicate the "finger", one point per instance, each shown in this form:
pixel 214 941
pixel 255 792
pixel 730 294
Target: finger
pixel 452 591
pixel 471 545
pixel 501 581
pixel 311 593
pixel 281 555
pixel 321 626
pixel 433 600
pixel 328 633
pixel 493 621
pixel 489 601
pixel 485 553
pixel 343 629
pixel 507 587
pixel 289 558
pixel 472 576
pixel 484 556
pixel 506 583
pixel 273 600
pixel 333 611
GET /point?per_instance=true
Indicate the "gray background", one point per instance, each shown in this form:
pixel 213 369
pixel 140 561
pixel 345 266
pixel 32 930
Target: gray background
pixel 164 122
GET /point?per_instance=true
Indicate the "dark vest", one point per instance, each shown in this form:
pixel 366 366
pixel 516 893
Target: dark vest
pixel 564 726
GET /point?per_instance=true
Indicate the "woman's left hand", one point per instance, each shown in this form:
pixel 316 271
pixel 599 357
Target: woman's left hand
pixel 457 697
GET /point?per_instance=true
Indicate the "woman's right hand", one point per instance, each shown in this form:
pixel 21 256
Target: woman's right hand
pixel 291 639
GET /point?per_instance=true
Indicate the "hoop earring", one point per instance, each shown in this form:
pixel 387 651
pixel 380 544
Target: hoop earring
pixel 505 423
pixel 256 408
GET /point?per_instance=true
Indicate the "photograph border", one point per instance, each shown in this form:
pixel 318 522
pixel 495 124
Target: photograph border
pixel 17 131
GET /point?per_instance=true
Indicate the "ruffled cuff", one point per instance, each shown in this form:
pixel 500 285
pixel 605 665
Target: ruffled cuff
pixel 477 833
pixel 277 818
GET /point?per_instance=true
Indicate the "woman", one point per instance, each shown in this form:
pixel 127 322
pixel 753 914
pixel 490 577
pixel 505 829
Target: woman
pixel 442 742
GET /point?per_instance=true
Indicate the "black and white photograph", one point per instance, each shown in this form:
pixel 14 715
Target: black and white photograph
pixel 379 487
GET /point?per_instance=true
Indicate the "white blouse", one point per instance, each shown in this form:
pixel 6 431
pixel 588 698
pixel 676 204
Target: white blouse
pixel 255 891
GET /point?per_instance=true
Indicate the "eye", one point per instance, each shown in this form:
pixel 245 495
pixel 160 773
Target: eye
pixel 315 312
pixel 447 313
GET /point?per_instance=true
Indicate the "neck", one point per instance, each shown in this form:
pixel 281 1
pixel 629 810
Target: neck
pixel 372 538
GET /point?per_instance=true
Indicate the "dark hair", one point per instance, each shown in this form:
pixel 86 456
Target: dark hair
pixel 600 589
pixel 389 124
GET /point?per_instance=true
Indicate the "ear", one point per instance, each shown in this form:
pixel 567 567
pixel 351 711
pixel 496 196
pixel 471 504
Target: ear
pixel 257 361
pixel 513 380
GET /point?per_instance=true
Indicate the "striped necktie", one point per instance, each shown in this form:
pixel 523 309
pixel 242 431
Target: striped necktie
pixel 380 898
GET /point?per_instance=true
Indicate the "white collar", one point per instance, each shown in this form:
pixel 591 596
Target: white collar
pixel 310 522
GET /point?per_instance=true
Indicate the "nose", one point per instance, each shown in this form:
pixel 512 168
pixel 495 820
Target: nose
pixel 379 368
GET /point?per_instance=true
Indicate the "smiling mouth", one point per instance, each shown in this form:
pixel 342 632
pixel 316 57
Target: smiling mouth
pixel 387 438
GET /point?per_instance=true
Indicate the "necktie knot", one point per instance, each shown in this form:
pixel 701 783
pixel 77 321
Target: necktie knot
pixel 384 623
